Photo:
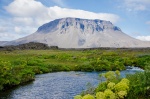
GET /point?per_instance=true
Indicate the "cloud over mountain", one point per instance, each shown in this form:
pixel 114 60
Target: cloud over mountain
pixel 28 15
pixel 143 38
pixel 80 33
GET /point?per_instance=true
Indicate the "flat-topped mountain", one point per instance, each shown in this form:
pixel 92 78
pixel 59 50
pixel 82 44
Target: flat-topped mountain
pixel 80 33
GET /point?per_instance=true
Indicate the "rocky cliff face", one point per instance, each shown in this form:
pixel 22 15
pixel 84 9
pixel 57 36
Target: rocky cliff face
pixel 81 33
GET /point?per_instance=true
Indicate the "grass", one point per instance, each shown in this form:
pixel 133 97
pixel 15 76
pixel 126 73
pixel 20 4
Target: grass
pixel 20 66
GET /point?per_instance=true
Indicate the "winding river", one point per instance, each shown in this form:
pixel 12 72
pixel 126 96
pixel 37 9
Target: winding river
pixel 59 85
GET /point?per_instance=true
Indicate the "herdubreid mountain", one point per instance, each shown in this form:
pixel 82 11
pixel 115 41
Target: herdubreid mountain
pixel 80 33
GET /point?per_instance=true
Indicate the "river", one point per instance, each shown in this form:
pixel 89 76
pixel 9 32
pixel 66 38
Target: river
pixel 58 85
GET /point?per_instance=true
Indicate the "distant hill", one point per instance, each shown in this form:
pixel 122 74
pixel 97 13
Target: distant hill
pixel 30 45
pixel 80 33
pixel 3 43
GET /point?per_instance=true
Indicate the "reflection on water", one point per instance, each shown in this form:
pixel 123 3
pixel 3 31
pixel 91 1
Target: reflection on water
pixel 59 85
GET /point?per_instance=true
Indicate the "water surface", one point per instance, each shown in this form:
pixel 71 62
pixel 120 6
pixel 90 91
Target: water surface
pixel 59 85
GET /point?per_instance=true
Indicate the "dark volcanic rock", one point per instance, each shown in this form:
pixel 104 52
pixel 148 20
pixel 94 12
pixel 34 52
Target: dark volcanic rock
pixel 30 45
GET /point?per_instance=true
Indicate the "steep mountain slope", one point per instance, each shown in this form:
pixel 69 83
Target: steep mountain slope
pixel 81 33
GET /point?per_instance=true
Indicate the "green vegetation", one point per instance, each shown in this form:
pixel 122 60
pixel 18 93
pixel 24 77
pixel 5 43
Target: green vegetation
pixel 134 86
pixel 140 84
pixel 113 88
pixel 20 66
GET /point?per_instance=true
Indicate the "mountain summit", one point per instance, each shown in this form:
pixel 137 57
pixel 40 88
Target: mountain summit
pixel 81 33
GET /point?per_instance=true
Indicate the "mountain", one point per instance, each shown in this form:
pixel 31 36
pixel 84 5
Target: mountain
pixel 81 33
pixel 3 43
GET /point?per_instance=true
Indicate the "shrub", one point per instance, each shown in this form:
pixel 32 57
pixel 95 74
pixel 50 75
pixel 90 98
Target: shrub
pixel 78 97
pixel 100 95
pixel 109 94
pixel 101 87
pixel 111 85
pixel 88 96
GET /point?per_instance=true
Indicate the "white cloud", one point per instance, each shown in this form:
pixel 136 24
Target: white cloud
pixel 25 8
pixel 6 36
pixel 23 20
pixel 17 29
pixel 148 22
pixel 60 3
pixel 28 15
pixel 10 30
pixel 33 9
pixel 2 29
pixel 143 38
pixel 140 1
pixel 57 12
pixel 137 5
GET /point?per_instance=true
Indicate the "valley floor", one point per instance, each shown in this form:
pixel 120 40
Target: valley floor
pixel 20 66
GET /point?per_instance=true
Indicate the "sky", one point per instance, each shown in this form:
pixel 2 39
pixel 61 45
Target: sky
pixel 19 18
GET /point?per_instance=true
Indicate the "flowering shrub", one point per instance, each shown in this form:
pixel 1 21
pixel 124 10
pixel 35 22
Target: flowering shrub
pixel 122 86
pixel 109 89
pixel 88 96
pixel 111 85
pixel 109 94
pixel 122 94
pixel 100 95
pixel 78 97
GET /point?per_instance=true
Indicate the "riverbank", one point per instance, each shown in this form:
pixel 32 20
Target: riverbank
pixel 58 85
pixel 20 66
pixel 133 86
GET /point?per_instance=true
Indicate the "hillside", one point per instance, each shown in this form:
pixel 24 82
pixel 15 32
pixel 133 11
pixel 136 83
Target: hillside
pixel 81 33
